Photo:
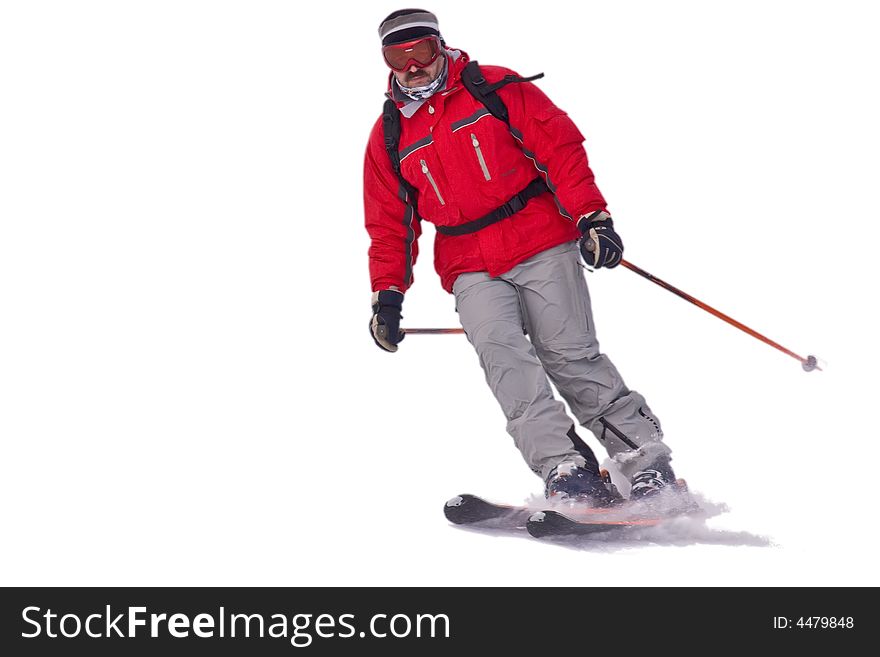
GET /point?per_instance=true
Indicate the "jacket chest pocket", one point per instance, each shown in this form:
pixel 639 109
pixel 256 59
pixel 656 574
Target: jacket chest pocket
pixel 420 166
pixel 480 140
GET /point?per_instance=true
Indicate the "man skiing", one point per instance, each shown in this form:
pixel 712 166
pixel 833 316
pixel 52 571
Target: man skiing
pixel 503 175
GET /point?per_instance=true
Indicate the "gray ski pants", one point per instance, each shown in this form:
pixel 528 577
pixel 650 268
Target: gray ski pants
pixel 547 297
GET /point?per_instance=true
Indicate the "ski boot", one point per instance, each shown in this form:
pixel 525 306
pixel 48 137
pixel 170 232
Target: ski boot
pixel 657 485
pixel 652 480
pixel 568 481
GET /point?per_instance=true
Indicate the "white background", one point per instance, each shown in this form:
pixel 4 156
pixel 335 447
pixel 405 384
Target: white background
pixel 188 392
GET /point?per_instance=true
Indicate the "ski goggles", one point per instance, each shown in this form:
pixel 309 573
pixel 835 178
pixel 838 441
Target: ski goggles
pixel 419 53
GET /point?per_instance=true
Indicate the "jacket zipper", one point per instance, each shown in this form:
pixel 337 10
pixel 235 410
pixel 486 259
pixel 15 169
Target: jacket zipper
pixel 427 173
pixel 482 160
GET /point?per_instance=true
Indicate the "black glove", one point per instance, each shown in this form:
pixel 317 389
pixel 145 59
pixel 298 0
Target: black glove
pixel 600 245
pixel 385 324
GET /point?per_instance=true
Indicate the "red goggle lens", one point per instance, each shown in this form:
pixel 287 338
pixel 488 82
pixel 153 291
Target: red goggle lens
pixel 420 53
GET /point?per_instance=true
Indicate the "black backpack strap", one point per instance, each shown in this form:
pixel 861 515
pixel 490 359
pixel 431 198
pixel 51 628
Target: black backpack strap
pixel 391 131
pixel 486 93
pixel 533 190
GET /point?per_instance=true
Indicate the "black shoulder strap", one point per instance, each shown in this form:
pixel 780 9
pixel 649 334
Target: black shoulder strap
pixel 486 93
pixel 476 84
pixel 391 132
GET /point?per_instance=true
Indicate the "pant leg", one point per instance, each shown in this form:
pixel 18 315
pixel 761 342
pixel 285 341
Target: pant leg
pixel 558 316
pixel 490 312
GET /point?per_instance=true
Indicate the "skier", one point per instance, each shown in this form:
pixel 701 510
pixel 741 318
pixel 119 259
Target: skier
pixel 515 206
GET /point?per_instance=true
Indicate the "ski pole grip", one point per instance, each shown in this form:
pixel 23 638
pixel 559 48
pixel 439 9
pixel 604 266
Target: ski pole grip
pixel 589 244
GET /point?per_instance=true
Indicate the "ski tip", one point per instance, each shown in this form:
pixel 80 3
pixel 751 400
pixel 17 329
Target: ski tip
pixel 457 509
pixel 468 509
pixel 465 509
pixel 542 523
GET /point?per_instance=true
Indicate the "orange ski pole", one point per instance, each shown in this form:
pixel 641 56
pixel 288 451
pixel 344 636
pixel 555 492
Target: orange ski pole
pixel 433 331
pixel 809 363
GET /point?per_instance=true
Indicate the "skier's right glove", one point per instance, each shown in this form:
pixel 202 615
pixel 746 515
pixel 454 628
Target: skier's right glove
pixel 385 325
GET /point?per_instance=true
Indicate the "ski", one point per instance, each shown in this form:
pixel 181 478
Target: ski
pixel 584 522
pixel 553 523
pixel 570 518
pixel 466 509
pixel 472 510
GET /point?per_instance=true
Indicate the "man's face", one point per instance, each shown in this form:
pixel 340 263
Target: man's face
pixel 420 77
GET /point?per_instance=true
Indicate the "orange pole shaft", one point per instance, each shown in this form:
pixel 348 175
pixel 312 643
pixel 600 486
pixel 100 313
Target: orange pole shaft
pixel 713 311
pixel 808 363
pixel 433 331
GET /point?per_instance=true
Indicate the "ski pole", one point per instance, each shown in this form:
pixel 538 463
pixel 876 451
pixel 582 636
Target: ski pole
pixel 809 363
pixel 433 331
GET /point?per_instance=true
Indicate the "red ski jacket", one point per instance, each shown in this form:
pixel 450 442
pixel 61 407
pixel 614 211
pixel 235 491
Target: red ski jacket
pixel 465 163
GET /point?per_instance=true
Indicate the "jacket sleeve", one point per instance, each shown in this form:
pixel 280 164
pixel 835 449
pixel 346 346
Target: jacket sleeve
pixel 554 142
pixel 391 222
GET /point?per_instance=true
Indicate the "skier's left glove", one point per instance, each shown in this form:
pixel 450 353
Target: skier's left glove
pixel 385 324
pixel 600 245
